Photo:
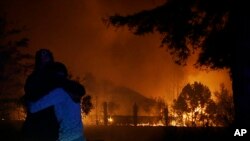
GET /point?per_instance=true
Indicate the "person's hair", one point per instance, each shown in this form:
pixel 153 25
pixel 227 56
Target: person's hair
pixel 75 90
pixel 42 53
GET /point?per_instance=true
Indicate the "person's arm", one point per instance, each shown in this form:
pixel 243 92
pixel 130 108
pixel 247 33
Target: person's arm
pixel 52 98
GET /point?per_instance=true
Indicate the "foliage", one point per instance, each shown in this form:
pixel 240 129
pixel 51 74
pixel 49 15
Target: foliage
pixel 12 59
pixel 225 106
pixel 86 104
pixel 193 102
pixel 190 24
pixel 194 106
pixel 218 29
pixel 13 66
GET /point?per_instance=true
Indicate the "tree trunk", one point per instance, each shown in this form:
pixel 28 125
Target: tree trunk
pixel 240 69
pixel 240 74
pixel 241 94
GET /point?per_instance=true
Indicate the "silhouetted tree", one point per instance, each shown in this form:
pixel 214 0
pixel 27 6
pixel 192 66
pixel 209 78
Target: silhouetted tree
pixel 161 109
pixel 160 105
pixel 212 116
pixel 218 28
pixel 192 102
pixel 13 65
pixel 12 59
pixel 86 104
pixel 225 107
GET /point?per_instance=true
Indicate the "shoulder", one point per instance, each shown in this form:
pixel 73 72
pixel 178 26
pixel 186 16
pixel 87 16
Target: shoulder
pixel 75 87
pixel 58 90
pixel 58 68
pixel 56 95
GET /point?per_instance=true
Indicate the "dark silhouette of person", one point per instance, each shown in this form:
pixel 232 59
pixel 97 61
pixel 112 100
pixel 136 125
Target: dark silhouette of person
pixel 42 125
pixel 46 76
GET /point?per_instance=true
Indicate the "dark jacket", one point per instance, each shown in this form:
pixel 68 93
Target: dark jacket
pixel 43 124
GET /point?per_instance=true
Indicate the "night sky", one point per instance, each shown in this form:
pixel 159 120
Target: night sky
pixel 74 31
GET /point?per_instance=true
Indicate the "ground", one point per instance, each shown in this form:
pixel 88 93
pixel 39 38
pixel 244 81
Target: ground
pixel 10 131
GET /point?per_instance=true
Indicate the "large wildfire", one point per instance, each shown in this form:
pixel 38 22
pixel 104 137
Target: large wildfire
pixel 90 49
pixel 125 107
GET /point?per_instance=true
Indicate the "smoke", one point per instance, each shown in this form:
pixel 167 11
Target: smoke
pixel 75 32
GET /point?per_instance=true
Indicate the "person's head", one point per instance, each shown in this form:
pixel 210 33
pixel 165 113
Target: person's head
pixel 43 57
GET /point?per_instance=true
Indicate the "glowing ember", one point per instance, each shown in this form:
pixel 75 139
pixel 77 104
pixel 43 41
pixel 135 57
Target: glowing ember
pixel 110 120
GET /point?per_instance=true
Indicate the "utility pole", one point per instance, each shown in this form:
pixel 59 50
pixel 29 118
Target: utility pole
pixel 105 113
pixel 135 114
pixel 96 116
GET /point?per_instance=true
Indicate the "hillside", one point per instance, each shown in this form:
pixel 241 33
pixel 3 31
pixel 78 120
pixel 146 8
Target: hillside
pixel 121 100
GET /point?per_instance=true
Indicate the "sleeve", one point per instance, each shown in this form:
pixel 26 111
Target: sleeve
pixel 54 97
